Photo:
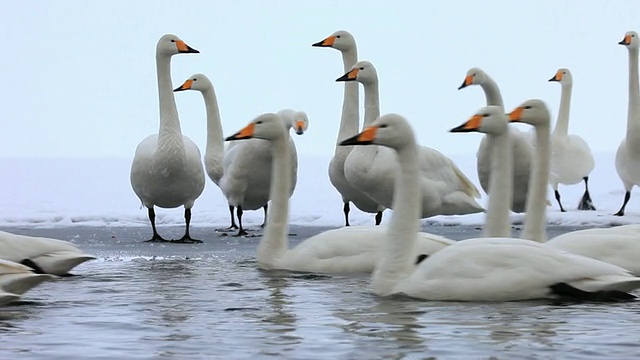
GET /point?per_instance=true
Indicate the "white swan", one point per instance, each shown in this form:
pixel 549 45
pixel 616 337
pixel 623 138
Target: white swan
pixel 241 170
pixel 521 146
pixel 628 154
pixel 571 158
pixel 445 189
pixel 344 42
pixel 483 269
pixel 353 249
pixel 167 170
pixel 16 279
pixel 6 297
pixel 43 255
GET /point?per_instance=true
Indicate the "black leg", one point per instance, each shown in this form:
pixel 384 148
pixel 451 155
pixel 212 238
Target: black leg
pixel 233 219
pixel 346 210
pixel 585 202
pixel 156 237
pixel 558 200
pixel 378 217
pixel 627 196
pixel 187 239
pixel 241 230
pixel 264 222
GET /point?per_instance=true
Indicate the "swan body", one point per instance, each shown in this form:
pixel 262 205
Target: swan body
pixel 167 170
pixel 16 279
pixel 6 297
pixel 482 269
pixel 571 158
pixel 521 146
pixel 344 42
pixel 444 187
pixel 628 154
pixel 49 256
pixel 352 249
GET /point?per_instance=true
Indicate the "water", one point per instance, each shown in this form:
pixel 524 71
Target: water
pixel 209 301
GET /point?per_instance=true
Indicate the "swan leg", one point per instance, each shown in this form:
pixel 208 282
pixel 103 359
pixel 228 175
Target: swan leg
pixel 233 219
pixel 378 217
pixel 346 210
pixel 558 200
pixel 627 196
pixel 156 237
pixel 264 222
pixel 566 291
pixel 585 202
pixel 187 239
pixel 241 231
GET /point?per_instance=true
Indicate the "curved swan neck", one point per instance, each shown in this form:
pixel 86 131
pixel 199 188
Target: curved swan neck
pixel 562 124
pixel 350 119
pixel 396 259
pixel 371 102
pixel 492 93
pixel 633 121
pixel 498 223
pixel 215 143
pixel 169 133
pixel 274 242
pixel 535 218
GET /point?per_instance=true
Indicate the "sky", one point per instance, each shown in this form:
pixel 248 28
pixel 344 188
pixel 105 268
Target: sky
pixel 79 77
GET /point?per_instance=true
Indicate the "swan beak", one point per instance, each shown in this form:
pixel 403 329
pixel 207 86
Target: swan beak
pixel 186 86
pixel 184 48
pixel 245 133
pixel 468 80
pixel 557 76
pixel 326 42
pixel 472 124
pixel 626 40
pixel 366 137
pixel 299 127
pixel 516 115
pixel 350 76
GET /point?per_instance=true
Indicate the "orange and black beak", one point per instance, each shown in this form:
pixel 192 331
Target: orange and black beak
pixel 245 133
pixel 352 75
pixel 328 42
pixel 299 127
pixel 626 40
pixel 557 76
pixel 366 137
pixel 468 80
pixel 516 114
pixel 184 48
pixel 186 86
pixel 471 125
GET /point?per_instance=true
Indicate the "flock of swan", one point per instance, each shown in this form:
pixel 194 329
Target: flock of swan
pixel 382 167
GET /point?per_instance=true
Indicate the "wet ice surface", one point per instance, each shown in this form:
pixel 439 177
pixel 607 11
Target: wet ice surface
pixel 148 301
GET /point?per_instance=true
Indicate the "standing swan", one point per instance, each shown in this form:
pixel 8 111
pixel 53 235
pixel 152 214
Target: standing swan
pixel 571 158
pixel 445 189
pixel 242 171
pixel 628 154
pixel 353 249
pixel 344 42
pixel 483 269
pixel 520 146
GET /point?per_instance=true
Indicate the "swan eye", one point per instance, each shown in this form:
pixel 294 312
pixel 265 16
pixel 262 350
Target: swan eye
pixel 486 115
pixel 173 40
pixel 195 79
pixel 361 68
pixel 474 75
pixel 338 36
pixel 259 122
pixel 528 107
pixel 383 126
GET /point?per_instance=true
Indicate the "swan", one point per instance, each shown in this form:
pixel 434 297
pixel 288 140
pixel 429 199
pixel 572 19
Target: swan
pixel 43 255
pixel 242 171
pixel 571 158
pixel 352 249
pixel 520 145
pixel 344 42
pixel 6 297
pixel 481 269
pixel 628 154
pixel 445 189
pixel 167 171
pixel 16 279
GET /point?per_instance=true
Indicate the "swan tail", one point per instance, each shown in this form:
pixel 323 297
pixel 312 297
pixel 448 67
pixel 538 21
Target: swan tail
pixel 460 203
pixel 58 263
pixel 21 283
pixel 6 297
pixel 467 186
pixel 565 291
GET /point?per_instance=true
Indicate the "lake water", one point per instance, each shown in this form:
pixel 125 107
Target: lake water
pixel 209 301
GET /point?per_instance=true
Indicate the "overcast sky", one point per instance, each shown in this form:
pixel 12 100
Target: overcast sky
pixel 78 77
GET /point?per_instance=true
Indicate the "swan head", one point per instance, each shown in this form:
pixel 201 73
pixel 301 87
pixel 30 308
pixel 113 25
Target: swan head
pixel 198 82
pixel 340 40
pixel 533 112
pixel 563 76
pixel 362 71
pixel 390 130
pixel 267 126
pixel 487 120
pixel 630 40
pixel 170 44
pixel 475 76
pixel 298 120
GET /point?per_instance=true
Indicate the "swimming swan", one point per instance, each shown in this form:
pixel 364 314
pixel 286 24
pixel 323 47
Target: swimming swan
pixel 353 249
pixel 520 145
pixel 16 279
pixel 167 170
pixel 482 269
pixel 444 187
pixel 344 42
pixel 43 255
pixel 571 158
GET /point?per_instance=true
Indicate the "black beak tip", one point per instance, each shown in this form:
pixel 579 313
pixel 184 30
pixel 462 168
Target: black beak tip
pixel 178 89
pixel 464 85
pixel 344 77
pixel 622 43
pixel 318 44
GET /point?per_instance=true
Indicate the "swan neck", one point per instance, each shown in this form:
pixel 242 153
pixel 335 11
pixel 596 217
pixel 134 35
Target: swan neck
pixel 535 218
pixel 492 93
pixel 350 119
pixel 274 241
pixel 633 112
pixel 498 223
pixel 215 144
pixel 169 133
pixel 371 102
pixel 562 124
